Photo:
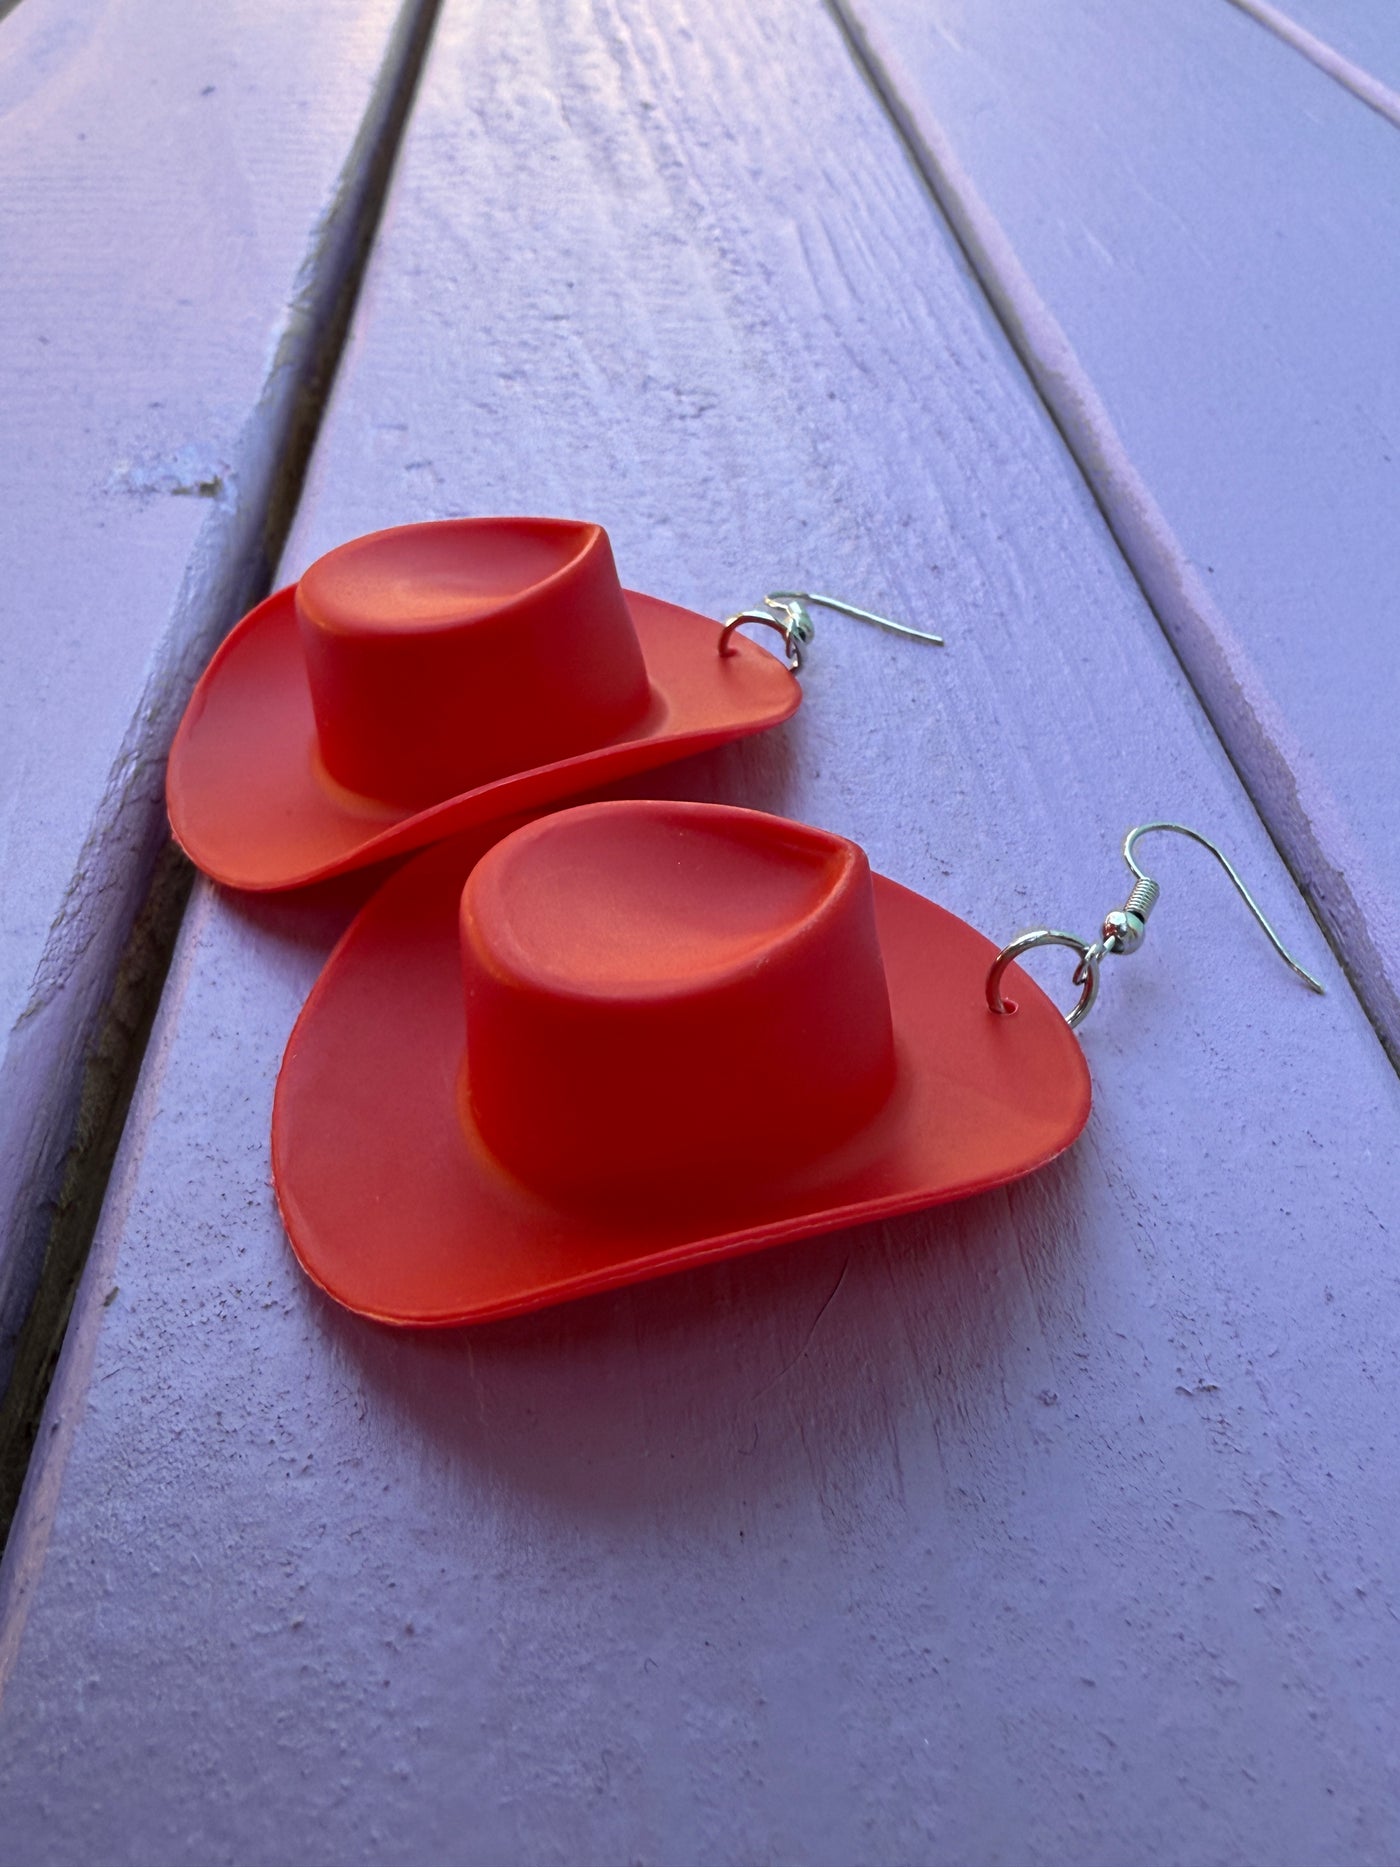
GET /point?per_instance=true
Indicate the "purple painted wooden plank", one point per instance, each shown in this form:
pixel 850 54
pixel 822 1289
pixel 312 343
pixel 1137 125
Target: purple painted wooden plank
pixel 1354 41
pixel 179 196
pixel 1199 262
pixel 1055 1526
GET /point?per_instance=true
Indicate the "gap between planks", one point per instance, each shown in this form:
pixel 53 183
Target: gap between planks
pixel 1370 91
pixel 1255 740
pixel 231 568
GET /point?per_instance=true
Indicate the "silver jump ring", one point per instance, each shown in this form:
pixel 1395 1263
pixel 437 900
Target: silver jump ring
pixel 1086 973
pixel 790 632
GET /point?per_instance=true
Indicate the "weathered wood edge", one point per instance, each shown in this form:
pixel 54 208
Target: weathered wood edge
pixel 75 1048
pixel 1365 85
pixel 1329 869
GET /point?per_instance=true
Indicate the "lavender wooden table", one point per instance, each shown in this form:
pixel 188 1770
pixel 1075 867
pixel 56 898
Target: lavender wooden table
pixel 183 192
pixel 1193 233
pixel 1054 1527
pixel 1354 41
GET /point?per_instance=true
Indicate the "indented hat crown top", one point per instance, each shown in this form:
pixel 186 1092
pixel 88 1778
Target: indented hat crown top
pixel 686 897
pixel 439 575
pixel 659 993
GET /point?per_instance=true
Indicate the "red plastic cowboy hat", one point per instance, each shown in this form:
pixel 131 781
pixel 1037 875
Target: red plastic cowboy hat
pixel 641 1037
pixel 428 678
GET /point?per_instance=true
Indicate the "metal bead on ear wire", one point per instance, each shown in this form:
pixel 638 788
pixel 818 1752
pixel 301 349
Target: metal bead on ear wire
pixel 1124 930
pixel 786 611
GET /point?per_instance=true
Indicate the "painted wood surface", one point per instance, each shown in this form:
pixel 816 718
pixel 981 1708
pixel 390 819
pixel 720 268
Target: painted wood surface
pixel 1194 236
pixel 1356 41
pixel 179 193
pixel 1056 1526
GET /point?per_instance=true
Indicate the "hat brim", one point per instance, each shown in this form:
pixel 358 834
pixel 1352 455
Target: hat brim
pixel 395 1207
pixel 251 805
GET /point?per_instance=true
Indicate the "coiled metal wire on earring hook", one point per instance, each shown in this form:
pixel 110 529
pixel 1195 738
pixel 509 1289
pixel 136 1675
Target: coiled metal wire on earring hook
pixel 786 611
pixel 1124 929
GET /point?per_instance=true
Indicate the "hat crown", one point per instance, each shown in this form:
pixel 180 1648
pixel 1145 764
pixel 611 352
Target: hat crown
pixel 442 656
pixel 660 993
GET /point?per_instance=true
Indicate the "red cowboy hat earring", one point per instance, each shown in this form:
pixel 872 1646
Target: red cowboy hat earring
pixel 639 1037
pixel 425 679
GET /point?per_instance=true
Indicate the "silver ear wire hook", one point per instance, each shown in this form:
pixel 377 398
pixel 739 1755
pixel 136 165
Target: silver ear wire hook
pixel 1124 929
pixel 786 611
pixel 796 632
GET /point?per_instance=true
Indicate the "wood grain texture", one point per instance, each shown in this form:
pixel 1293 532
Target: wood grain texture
pixel 1194 237
pixel 1056 1526
pixel 179 193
